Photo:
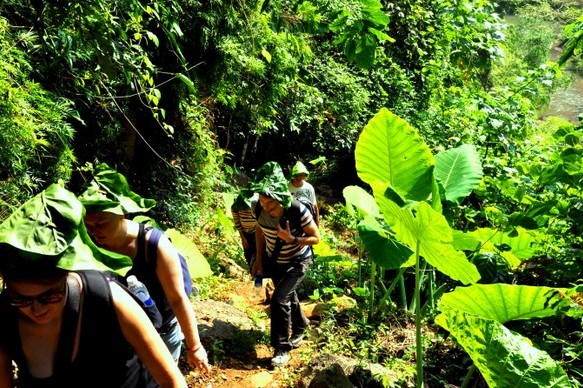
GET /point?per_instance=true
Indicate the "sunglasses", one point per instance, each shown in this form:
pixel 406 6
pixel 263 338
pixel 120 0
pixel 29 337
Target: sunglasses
pixel 49 297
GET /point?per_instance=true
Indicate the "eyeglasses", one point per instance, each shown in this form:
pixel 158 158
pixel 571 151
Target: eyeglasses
pixel 49 297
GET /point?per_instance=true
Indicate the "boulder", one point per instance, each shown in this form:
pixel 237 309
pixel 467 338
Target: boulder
pixel 334 371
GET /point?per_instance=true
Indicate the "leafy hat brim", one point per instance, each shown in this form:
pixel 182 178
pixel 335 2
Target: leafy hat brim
pixel 110 192
pixel 270 181
pixel 47 231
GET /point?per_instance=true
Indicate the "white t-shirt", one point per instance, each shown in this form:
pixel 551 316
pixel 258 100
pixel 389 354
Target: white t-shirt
pixel 306 191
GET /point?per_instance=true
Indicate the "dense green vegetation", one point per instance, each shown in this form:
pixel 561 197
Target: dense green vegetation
pixel 187 97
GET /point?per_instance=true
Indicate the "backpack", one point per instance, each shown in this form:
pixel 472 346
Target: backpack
pixel 153 254
pixel 306 202
pixel 96 307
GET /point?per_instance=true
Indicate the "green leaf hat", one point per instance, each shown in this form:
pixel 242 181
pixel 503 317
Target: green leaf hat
pixel 48 231
pixel 242 202
pixel 270 181
pixel 299 168
pixel 110 192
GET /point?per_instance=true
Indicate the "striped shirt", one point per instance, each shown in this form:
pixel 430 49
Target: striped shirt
pixel 244 220
pixel 289 252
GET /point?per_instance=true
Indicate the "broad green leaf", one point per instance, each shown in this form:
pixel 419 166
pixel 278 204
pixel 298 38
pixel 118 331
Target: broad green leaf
pixel 459 170
pixel 364 202
pixel 389 152
pixel 504 358
pixel 381 36
pixel 522 246
pixel 382 248
pixel 372 11
pixel 228 200
pixel 197 263
pixel 464 241
pixel 501 302
pixel 364 53
pixel 435 238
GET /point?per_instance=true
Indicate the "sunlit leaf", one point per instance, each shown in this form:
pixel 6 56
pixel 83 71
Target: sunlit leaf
pixel 358 198
pixel 197 263
pixel 504 358
pixel 390 152
pixel 459 171
pixel 501 302
pixel 266 55
pixel 430 231
pixel 187 81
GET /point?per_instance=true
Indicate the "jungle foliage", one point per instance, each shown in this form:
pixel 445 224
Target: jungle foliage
pixel 185 97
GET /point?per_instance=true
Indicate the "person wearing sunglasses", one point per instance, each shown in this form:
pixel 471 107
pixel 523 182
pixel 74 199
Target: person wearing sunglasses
pixel 64 322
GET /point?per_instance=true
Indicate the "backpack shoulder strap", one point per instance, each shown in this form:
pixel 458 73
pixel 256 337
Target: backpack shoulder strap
pixel 141 241
pixel 72 313
pixel 294 215
pixel 258 210
pixel 95 282
pixel 152 251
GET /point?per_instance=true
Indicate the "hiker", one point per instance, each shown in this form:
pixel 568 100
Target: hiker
pixel 299 187
pixel 285 232
pixel 245 224
pixel 63 323
pixel 108 199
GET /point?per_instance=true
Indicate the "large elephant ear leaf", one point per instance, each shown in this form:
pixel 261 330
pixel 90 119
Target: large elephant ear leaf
pixel 357 197
pixel 429 232
pixel 504 358
pixel 459 171
pixel 502 302
pixel 197 264
pixel 384 249
pixel 390 152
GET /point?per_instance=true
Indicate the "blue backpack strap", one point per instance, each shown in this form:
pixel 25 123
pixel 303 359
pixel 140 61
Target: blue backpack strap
pixel 152 254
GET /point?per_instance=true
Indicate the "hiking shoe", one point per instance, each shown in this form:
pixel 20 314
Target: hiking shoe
pixel 280 358
pixel 297 339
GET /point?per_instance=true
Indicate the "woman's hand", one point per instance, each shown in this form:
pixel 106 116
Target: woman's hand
pixel 198 359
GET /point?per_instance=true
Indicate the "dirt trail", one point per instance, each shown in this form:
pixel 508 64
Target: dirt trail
pixel 248 367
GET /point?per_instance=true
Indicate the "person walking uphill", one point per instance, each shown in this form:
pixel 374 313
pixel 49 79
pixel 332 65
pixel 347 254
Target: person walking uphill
pixel 299 187
pixel 285 231
pixel 245 223
pixel 107 200
pixel 63 323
